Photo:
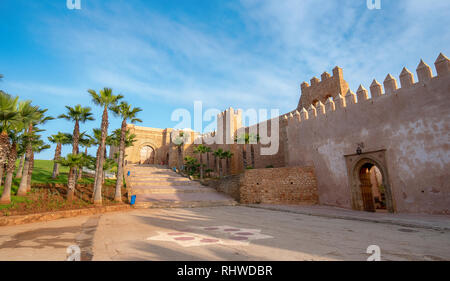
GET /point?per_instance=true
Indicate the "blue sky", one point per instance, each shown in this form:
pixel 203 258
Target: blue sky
pixel 163 55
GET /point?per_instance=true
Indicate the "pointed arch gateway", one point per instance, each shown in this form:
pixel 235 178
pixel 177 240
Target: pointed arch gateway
pixel 146 154
pixel 369 182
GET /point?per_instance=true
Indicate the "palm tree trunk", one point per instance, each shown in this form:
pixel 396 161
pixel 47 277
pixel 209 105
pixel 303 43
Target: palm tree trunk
pixel 4 147
pixel 96 165
pixel 30 172
pixel 201 166
pixel 104 172
pixel 76 137
pixel 119 180
pixel 26 166
pixel 101 159
pixel 71 186
pixel 220 168
pixel 2 170
pixel 75 142
pixel 6 196
pixel 180 158
pixel 20 169
pixel 55 164
pixel 216 165
pixel 80 174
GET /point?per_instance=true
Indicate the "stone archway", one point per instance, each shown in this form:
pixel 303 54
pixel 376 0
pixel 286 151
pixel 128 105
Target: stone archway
pixel 364 196
pixel 146 155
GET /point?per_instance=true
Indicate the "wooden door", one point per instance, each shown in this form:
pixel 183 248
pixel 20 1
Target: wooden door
pixel 366 190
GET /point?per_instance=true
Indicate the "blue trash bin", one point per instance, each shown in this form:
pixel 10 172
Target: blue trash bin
pixel 133 199
pixel 129 173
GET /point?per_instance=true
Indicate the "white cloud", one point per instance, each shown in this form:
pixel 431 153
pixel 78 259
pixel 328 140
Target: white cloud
pixel 177 61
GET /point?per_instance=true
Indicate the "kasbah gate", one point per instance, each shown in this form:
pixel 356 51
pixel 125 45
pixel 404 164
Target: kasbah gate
pixel 383 152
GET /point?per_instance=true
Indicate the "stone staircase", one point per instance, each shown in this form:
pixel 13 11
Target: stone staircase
pixel 159 187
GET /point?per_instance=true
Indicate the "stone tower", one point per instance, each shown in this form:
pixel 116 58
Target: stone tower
pixel 321 90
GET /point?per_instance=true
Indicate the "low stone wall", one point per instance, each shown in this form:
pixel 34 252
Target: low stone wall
pixel 49 216
pixel 287 185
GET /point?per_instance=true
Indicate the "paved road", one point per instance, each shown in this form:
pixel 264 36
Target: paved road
pixel 219 233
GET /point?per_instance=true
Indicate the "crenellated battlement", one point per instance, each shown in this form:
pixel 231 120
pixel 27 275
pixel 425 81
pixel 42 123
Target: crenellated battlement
pixel 344 101
pixel 321 90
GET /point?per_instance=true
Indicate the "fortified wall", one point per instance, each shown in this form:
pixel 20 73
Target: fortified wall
pixel 403 131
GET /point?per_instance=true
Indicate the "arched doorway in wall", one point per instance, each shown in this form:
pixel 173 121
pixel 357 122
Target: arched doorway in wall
pixel 373 191
pixel 369 182
pixel 167 159
pixel 147 155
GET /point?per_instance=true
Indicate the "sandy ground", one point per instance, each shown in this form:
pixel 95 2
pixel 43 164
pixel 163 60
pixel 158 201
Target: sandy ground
pixel 219 233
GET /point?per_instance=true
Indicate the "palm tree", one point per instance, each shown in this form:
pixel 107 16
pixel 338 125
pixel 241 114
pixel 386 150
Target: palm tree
pixel 38 146
pixel 8 117
pixel 179 143
pixel 252 140
pixel 10 167
pixel 106 99
pixel 85 141
pixel 245 139
pixel 59 139
pixel 15 127
pixel 201 149
pixel 77 114
pixel 32 117
pixel 126 112
pixel 228 155
pixel 219 154
pixel 74 161
pixel 97 140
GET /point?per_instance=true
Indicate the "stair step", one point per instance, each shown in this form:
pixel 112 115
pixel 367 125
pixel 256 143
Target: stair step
pixel 157 187
pixel 185 204
pixel 150 175
pixel 171 190
pixel 156 183
pixel 158 179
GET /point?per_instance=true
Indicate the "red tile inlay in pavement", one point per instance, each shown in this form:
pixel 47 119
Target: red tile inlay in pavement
pixel 184 238
pixel 209 240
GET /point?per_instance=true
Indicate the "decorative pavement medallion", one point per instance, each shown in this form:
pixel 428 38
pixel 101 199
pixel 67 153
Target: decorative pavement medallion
pixel 222 235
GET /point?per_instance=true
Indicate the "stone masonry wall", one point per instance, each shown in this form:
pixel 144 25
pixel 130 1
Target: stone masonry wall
pixel 411 124
pixel 289 185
